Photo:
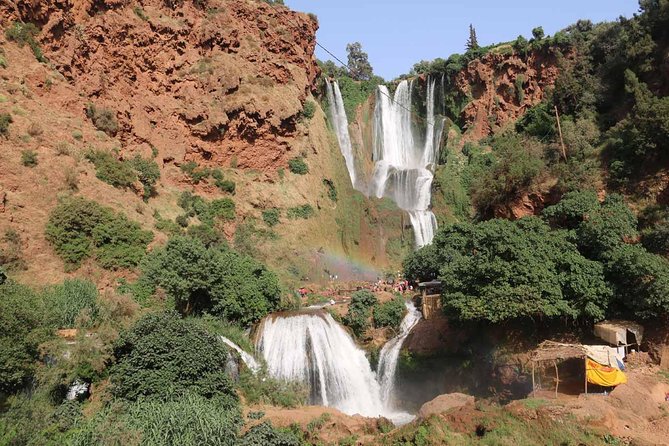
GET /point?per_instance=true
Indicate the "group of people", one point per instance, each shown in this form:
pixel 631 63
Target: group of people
pixel 399 286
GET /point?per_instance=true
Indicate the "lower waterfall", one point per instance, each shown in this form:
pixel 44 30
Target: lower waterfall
pixel 311 347
pixel 390 353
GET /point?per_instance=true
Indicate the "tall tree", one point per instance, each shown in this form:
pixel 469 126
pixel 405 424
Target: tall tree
pixel 358 62
pixel 472 42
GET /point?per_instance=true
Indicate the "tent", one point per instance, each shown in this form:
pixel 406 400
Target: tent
pixel 606 373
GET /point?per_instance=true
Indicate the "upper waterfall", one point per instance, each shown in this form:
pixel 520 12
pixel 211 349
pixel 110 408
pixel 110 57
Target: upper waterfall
pixel 403 159
pixel 340 124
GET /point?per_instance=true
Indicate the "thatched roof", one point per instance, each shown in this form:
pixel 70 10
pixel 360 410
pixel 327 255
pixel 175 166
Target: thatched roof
pixel 557 351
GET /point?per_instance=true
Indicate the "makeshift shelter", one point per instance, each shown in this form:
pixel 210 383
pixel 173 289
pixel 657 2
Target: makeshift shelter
pixel 607 373
pixel 430 298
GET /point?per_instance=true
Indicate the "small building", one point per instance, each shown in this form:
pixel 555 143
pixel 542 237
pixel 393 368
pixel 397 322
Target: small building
pixel 430 298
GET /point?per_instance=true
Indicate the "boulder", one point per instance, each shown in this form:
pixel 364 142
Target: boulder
pixel 444 403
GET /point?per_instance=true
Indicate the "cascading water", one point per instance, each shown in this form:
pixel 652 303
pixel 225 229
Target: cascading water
pixel 391 351
pixel 312 348
pixel 340 124
pixel 248 359
pixel 403 164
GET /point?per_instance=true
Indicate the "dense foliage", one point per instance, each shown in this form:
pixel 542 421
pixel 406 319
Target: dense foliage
pixel 360 311
pixel 298 166
pixel 582 266
pixel 390 313
pixel 79 228
pixel 211 279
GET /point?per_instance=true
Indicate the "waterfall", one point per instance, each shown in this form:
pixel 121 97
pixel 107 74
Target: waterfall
pixel 340 124
pixel 248 359
pixel 404 162
pixel 312 348
pixel 390 353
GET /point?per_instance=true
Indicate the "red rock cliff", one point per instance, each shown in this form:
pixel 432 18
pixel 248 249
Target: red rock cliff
pixel 221 83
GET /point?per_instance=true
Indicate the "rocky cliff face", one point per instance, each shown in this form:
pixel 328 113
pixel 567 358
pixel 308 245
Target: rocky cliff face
pixel 218 82
pixel 502 86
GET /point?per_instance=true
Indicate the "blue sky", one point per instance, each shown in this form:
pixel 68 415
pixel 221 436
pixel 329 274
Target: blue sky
pixel 396 34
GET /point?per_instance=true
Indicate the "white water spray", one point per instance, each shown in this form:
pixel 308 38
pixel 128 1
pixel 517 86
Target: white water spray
pixel 404 164
pixel 390 353
pixel 312 348
pixel 340 124
pixel 248 359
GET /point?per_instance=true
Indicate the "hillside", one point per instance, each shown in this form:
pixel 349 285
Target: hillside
pixel 201 91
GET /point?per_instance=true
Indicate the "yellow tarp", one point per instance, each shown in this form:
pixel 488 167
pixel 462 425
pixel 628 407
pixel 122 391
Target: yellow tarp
pixel 603 375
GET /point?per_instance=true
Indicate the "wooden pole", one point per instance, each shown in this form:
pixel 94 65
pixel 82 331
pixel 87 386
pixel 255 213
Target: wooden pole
pixel 564 151
pixel 557 378
pixel 533 379
pixel 585 369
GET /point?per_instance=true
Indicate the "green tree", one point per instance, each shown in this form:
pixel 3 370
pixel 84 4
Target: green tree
pixel 538 33
pixel 498 270
pixel 358 62
pixel 390 313
pixel 472 41
pixel 360 311
pixel 211 279
pixel 164 357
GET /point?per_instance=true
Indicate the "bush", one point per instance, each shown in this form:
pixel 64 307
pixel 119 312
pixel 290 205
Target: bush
pixel 207 212
pixel 226 186
pixel 499 270
pixel 207 235
pixel 104 119
pixel 111 170
pixel 390 314
pixel 148 173
pixel 21 318
pixel 271 216
pixel 164 357
pixel 262 389
pixel 25 33
pixel 196 174
pixel 67 300
pixel 298 166
pixel 265 434
pixel 309 109
pixel 79 228
pixel 215 280
pixel 359 311
pixel 304 211
pixel 29 158
pixel 332 190
pixel 5 120
pixel 190 420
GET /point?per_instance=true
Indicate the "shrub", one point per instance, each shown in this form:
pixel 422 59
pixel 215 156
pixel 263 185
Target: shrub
pixel 29 158
pixel 298 166
pixel 196 174
pixel 104 119
pixel 207 235
pixel 265 434
pixel 11 254
pixel 207 212
pixel 262 389
pixel 111 170
pixel 21 318
pixel 389 314
pixel 304 211
pixel 67 300
pixel 271 216
pixel 139 12
pixel 332 190
pixel 163 356
pixel 25 33
pixel 79 228
pixel 308 110
pixel 359 311
pixel 212 279
pixel 5 120
pixel 148 173
pixel 226 186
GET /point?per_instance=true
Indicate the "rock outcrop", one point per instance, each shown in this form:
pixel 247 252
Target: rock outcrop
pixel 222 83
pixel 444 403
pixel 502 86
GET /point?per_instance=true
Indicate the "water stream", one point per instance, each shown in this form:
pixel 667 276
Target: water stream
pixel 248 359
pixel 311 347
pixel 340 124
